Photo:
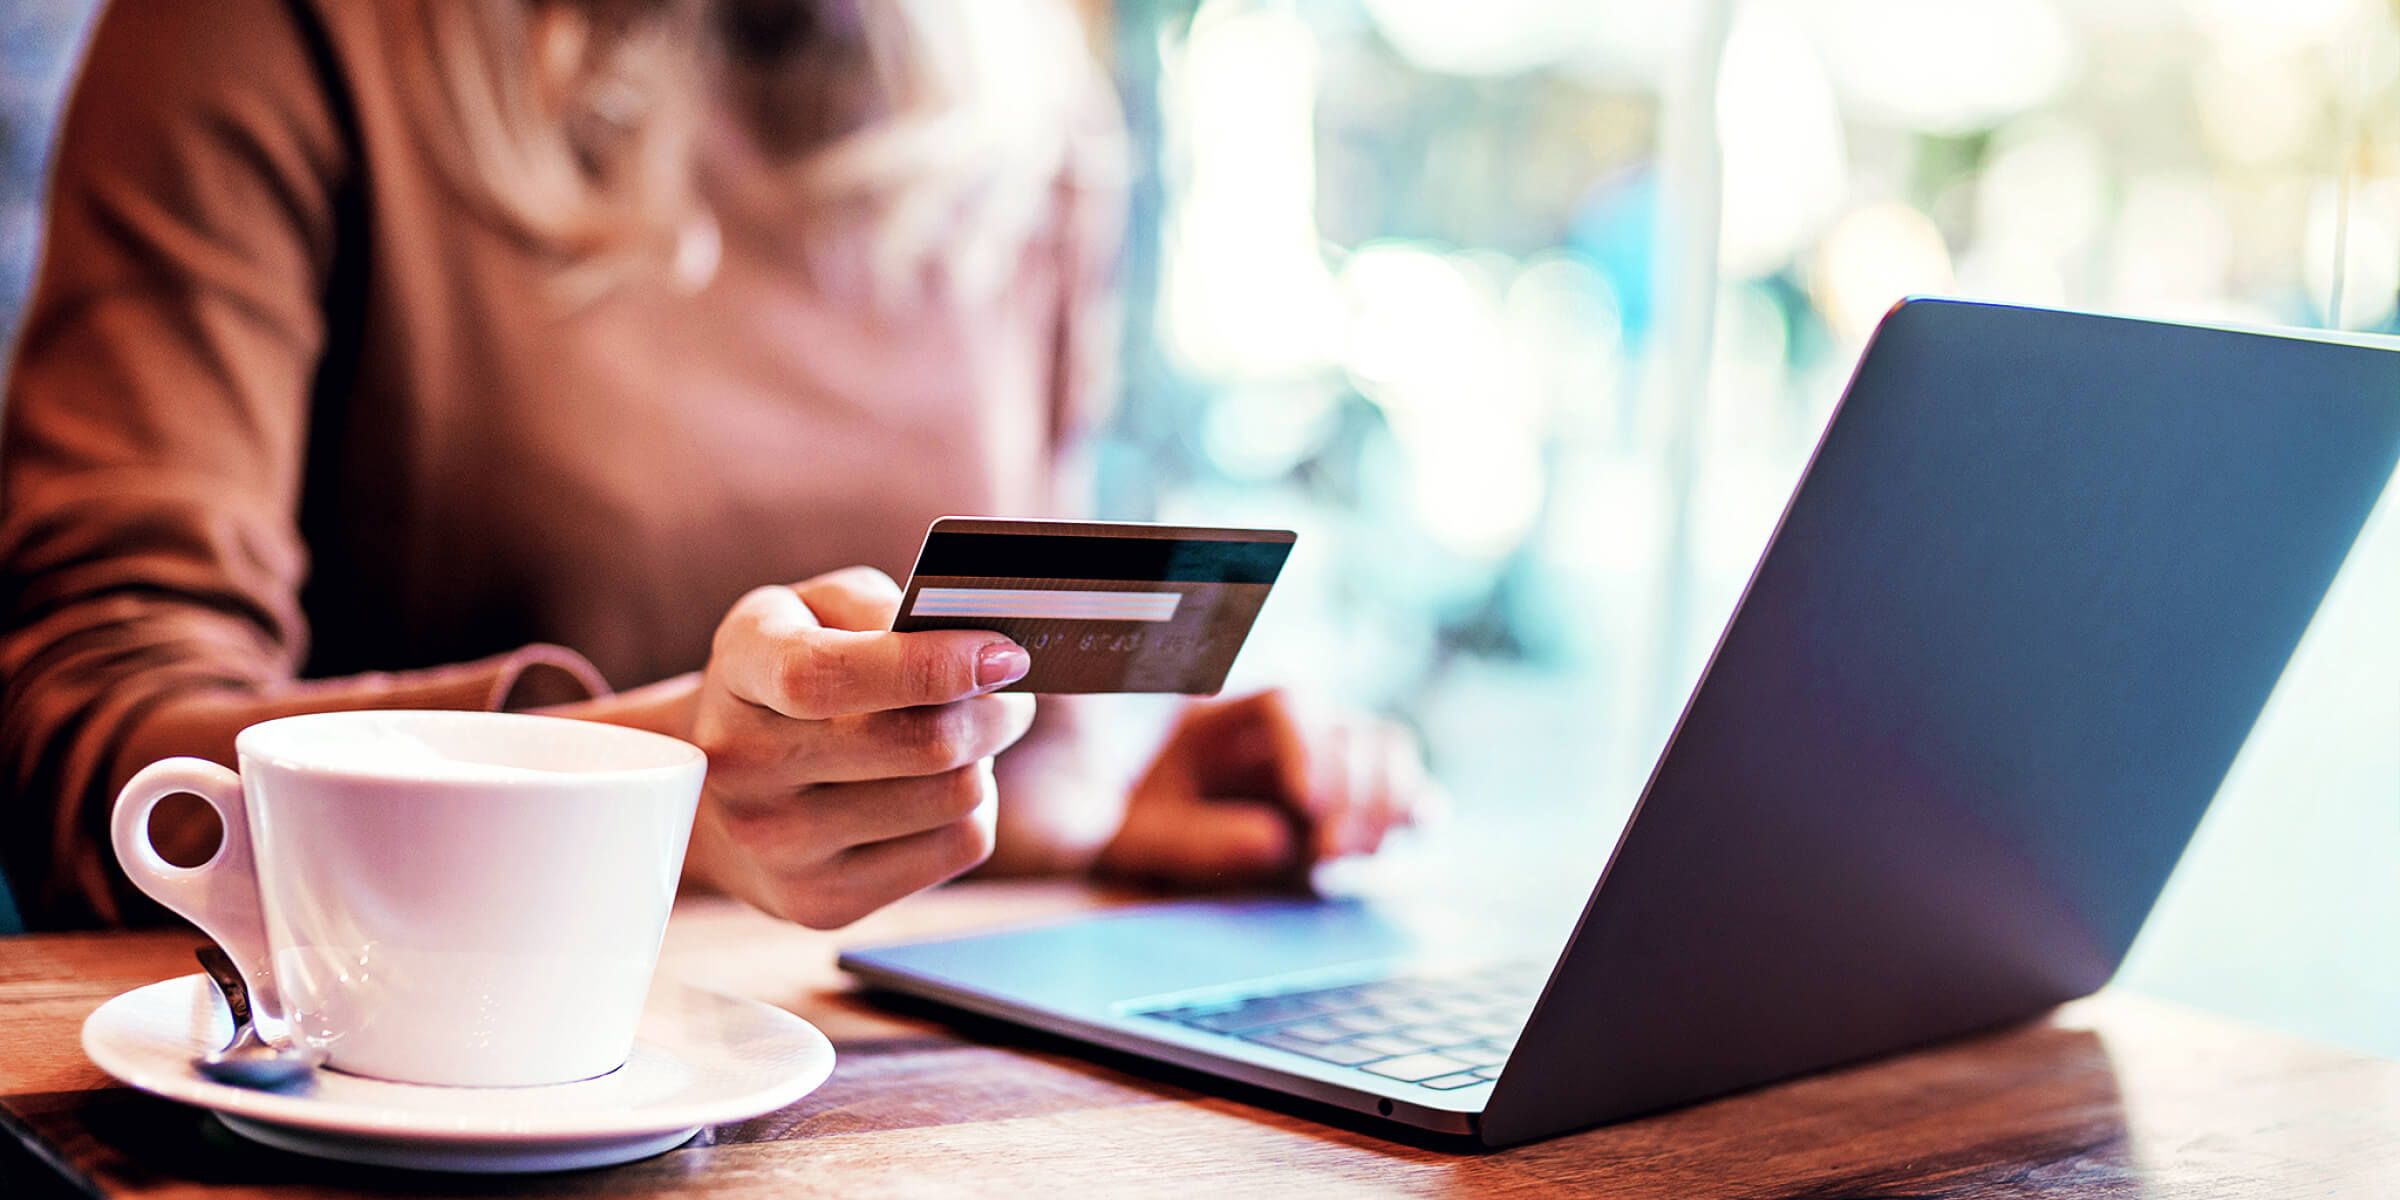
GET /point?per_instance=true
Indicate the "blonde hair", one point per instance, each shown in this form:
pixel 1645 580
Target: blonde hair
pixel 946 123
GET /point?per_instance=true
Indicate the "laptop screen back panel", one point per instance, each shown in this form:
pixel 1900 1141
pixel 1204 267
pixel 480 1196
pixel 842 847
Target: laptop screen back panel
pixel 2031 595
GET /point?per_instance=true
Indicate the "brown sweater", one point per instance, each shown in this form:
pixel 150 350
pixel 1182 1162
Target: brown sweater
pixel 290 424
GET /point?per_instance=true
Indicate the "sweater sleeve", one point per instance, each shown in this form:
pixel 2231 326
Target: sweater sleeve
pixel 153 432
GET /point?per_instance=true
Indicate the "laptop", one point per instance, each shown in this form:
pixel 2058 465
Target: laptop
pixel 2019 616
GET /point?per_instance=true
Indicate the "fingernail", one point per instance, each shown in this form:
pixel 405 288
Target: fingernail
pixel 1001 663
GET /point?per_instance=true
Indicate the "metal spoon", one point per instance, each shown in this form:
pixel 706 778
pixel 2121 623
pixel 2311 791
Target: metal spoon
pixel 248 1060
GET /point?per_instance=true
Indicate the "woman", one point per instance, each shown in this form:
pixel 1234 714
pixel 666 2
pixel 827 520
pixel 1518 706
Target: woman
pixel 459 354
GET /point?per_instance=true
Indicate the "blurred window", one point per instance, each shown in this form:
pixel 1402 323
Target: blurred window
pixel 1407 278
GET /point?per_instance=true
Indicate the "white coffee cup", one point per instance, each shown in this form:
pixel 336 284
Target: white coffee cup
pixel 455 898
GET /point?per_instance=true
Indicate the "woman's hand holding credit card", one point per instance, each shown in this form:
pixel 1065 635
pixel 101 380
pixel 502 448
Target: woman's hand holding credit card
pixel 848 765
pixel 1243 791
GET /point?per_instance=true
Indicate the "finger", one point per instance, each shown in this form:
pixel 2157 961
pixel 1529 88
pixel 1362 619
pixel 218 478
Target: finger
pixel 777 655
pixel 1413 796
pixel 868 877
pixel 1372 798
pixel 1256 744
pixel 1431 805
pixel 1287 740
pixel 1326 772
pixel 1342 800
pixel 819 824
pixel 834 673
pixel 1380 787
pixel 764 752
pixel 860 599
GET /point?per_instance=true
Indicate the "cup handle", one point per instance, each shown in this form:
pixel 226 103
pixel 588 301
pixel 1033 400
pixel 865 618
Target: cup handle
pixel 220 895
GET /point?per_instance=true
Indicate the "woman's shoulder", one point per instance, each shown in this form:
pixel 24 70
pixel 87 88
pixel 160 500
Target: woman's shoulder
pixel 263 78
pixel 223 58
pixel 258 62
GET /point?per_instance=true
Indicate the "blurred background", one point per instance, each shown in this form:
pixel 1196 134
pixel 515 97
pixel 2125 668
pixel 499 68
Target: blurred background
pixel 1525 313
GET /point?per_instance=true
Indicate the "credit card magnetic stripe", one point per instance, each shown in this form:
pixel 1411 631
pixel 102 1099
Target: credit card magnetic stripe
pixel 1056 556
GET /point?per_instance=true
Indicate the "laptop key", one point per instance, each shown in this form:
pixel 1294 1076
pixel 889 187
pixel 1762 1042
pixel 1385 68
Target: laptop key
pixel 1411 1068
pixel 1490 1072
pixel 1361 1020
pixel 1279 1008
pixel 1412 1012
pixel 1391 1044
pixel 1444 1083
pixel 1486 1027
pixel 1233 1020
pixel 1476 1054
pixel 1314 1031
pixel 1340 1054
pixel 1341 997
pixel 1438 1035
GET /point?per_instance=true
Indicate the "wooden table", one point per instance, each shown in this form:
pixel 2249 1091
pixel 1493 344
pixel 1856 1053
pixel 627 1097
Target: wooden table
pixel 2113 1096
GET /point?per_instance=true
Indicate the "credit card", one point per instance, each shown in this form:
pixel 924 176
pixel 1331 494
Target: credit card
pixel 1101 606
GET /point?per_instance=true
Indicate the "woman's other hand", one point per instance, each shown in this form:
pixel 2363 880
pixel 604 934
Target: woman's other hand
pixel 848 766
pixel 1252 791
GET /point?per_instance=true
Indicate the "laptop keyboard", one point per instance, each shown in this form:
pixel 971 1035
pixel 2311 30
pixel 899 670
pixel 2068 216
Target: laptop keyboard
pixel 1438 1031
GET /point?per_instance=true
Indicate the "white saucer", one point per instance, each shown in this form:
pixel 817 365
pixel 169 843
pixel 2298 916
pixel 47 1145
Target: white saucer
pixel 700 1059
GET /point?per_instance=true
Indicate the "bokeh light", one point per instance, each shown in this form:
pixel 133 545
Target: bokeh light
pixel 1245 290
pixel 1874 257
pixel 1944 66
pixel 1485 38
pixel 1785 158
pixel 2255 25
